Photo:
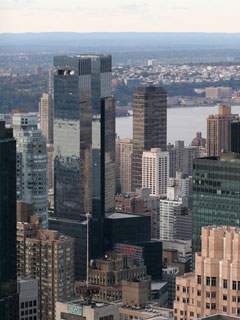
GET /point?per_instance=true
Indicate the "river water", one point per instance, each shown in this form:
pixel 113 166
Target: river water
pixel 182 123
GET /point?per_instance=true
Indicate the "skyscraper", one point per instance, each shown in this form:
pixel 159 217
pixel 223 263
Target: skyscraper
pixel 32 164
pixel 8 257
pixel 216 197
pixel 219 131
pixel 84 144
pixel 46 116
pixel 50 80
pixel 46 125
pixel 149 126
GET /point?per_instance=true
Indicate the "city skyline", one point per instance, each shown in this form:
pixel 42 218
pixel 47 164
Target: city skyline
pixel 197 16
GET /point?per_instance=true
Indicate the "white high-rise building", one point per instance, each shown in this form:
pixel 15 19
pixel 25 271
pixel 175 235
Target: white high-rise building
pixel 183 184
pixel 167 218
pixel 32 163
pixel 46 116
pixel 155 171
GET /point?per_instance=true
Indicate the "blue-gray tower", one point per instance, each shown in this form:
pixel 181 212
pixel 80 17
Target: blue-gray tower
pixel 84 150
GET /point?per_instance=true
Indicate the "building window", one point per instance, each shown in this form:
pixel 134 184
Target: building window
pixel 207 305
pixel 238 299
pixel 233 310
pixel 199 280
pixel 214 281
pixel 238 285
pixel 224 284
pixel 224 309
pixel 199 293
pixel 234 299
pixel 208 281
pixel 191 314
pixel 213 306
pixel 207 294
pixel 224 297
pixel 234 285
pixel 213 295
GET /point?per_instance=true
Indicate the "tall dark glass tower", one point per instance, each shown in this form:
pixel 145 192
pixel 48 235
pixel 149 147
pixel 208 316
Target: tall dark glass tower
pixel 84 147
pixel 8 256
pixel 149 126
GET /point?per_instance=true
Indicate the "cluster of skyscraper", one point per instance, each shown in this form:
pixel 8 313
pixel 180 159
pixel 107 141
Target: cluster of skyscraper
pixel 165 195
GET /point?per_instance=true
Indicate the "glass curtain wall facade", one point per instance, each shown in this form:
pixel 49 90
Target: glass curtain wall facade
pixel 216 194
pixel 8 254
pixel 32 164
pixel 84 141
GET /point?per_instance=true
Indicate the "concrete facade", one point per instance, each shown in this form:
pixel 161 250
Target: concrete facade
pixel 28 298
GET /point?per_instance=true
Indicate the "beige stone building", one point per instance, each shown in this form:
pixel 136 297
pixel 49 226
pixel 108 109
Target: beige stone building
pixel 215 285
pixel 48 257
pixel 136 303
pixel 219 131
pixel 218 92
pixel 107 275
pixel 124 150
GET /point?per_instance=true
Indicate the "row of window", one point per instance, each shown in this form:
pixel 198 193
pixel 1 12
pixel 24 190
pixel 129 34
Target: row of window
pixel 211 281
pixel 28 304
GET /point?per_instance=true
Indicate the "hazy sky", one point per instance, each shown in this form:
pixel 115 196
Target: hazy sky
pixel 119 15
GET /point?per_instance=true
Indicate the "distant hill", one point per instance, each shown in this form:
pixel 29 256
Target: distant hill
pixel 104 41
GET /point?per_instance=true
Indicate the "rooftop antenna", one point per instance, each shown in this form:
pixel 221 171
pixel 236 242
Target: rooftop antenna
pixel 87 215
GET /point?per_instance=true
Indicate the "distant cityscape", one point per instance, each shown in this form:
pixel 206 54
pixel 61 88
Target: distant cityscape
pixel 97 227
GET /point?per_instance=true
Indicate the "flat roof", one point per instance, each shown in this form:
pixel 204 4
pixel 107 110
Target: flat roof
pixel 157 285
pixel 123 216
